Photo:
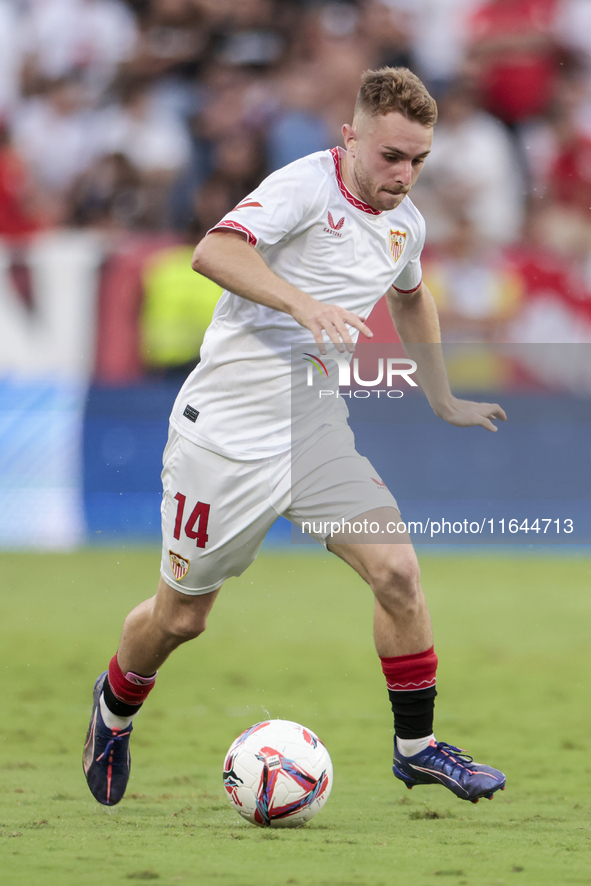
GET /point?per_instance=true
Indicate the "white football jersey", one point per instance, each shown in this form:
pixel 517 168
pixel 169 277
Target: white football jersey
pixel 314 233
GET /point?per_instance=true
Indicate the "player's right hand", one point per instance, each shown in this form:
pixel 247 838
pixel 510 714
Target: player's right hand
pixel 333 320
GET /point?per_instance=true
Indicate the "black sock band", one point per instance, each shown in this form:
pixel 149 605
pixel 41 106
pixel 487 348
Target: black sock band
pixel 413 712
pixel 120 708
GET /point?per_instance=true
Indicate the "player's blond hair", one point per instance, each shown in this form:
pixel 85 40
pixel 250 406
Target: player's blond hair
pixel 395 89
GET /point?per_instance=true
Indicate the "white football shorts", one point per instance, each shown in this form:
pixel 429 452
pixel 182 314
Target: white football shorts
pixel 216 510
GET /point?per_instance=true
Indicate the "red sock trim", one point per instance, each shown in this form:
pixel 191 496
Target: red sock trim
pixel 405 673
pixel 129 688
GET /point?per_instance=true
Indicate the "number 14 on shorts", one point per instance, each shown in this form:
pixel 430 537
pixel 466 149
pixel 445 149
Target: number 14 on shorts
pixel 196 525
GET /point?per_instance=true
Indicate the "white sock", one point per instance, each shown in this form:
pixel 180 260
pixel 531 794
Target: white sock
pixel 111 720
pixel 408 747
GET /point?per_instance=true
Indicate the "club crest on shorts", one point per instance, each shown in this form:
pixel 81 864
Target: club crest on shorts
pixel 397 241
pixel 179 565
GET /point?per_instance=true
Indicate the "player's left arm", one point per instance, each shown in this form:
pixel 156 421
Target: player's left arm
pixel 414 315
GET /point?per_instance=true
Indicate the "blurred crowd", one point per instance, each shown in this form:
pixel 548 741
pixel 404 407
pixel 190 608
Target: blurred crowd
pixel 159 115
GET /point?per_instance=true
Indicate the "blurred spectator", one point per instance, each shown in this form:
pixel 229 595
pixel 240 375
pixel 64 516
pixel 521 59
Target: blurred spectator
pixel 571 174
pixel 557 233
pixel 574 28
pixel 514 56
pixel 88 37
pixel 19 212
pixel 212 201
pixel 476 290
pixel 239 160
pixel 249 36
pixel 237 164
pixel 551 262
pixel 180 212
pixel 10 56
pixel 154 141
pixel 472 173
pixel 118 357
pixel 437 33
pixel 385 26
pixel 172 38
pixel 226 136
pixel 174 45
pixel 231 100
pixel 299 126
pixel 246 14
pixel 138 127
pixel 177 309
pixel 558 149
pixel 556 146
pixel 56 135
pixel 110 195
pixel 327 49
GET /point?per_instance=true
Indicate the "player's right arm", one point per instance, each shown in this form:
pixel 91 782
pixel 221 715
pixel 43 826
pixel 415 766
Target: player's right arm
pixel 229 260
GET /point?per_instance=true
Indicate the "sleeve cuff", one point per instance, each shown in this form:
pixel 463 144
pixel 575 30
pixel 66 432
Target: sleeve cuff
pixel 229 225
pixel 408 291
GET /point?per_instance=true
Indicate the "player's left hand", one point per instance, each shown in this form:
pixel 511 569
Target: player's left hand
pixel 467 414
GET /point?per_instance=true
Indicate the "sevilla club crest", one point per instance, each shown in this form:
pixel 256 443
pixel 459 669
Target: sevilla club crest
pixel 397 241
pixel 179 565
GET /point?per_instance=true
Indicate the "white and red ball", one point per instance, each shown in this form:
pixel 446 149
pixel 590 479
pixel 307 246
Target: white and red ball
pixel 278 774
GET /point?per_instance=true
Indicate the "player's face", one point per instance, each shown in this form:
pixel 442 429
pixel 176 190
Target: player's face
pixel 384 157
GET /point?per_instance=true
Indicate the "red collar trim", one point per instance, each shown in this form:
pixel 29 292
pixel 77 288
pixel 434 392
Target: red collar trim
pixel 355 201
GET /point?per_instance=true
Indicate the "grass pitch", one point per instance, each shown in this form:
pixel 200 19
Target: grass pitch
pixel 292 638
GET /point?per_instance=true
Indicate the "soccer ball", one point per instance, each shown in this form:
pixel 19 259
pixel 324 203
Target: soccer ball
pixel 278 774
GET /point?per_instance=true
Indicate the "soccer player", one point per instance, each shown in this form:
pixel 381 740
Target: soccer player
pixel 305 256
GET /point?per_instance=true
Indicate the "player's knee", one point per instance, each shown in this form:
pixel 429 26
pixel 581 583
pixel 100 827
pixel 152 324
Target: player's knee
pixel 396 582
pixel 185 624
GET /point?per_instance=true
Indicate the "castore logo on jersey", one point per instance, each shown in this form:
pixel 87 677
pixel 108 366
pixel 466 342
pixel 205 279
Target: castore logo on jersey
pixel 334 227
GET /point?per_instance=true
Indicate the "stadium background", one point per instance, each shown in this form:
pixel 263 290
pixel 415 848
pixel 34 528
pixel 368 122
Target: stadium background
pixel 127 129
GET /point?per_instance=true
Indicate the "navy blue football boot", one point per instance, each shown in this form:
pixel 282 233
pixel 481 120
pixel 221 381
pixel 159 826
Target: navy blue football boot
pixel 442 763
pixel 106 760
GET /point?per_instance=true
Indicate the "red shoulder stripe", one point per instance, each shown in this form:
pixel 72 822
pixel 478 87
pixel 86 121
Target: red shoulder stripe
pixel 246 203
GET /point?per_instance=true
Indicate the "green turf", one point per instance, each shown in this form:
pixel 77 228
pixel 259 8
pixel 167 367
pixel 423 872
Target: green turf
pixel 292 639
